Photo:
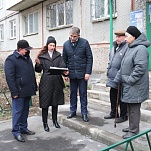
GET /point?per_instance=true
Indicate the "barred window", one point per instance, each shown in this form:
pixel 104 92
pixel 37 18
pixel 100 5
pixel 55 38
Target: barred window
pixel 12 29
pixel 1 32
pixel 101 8
pixel 59 14
pixel 31 23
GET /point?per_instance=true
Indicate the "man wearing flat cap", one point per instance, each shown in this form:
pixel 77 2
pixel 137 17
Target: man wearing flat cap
pixel 20 77
pixel 115 57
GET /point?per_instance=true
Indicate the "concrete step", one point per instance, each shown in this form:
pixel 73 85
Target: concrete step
pixel 146 105
pixel 104 96
pixel 100 87
pixel 98 95
pixel 104 106
pixel 101 92
pixel 150 93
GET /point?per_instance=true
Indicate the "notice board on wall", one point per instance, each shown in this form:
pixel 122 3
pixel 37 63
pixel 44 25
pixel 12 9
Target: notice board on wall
pixel 137 19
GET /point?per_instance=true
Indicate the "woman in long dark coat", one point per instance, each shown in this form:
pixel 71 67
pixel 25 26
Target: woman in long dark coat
pixel 51 86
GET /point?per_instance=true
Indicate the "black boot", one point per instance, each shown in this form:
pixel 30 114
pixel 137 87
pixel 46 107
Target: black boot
pixel 54 116
pixel 46 127
pixel 55 123
pixel 44 119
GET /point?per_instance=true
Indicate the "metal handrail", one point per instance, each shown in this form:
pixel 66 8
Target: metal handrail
pixel 129 141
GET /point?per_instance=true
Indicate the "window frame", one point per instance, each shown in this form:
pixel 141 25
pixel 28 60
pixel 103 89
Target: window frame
pixel 1 32
pixel 13 30
pixel 55 25
pixel 31 23
pixel 1 4
pixel 106 11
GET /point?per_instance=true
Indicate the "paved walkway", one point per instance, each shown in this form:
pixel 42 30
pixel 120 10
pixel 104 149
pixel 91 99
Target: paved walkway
pixel 64 139
pixel 74 135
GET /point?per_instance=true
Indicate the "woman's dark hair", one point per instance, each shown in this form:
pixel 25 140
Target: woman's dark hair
pixel 43 51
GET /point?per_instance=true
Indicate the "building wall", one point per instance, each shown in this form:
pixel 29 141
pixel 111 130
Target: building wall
pixel 9 44
pixel 141 5
pixel 97 33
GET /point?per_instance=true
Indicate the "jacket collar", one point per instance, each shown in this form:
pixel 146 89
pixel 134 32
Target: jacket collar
pixel 46 55
pixel 17 54
pixel 120 45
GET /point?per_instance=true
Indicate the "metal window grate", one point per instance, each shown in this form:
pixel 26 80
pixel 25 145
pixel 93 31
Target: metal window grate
pixel 59 14
pixel 101 8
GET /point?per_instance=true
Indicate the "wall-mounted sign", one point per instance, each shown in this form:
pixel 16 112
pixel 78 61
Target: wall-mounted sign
pixel 149 9
pixel 137 19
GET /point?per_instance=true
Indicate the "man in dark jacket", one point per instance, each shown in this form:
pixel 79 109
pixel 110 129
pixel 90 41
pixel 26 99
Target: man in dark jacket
pixel 78 57
pixel 116 55
pixel 21 81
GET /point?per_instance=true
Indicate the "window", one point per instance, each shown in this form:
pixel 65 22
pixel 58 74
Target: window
pixel 1 4
pixel 31 23
pixel 1 32
pixel 60 14
pixel 101 8
pixel 12 29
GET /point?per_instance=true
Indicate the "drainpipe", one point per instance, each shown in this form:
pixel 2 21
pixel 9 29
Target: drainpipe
pixel 111 25
pixel 81 12
pixel 19 26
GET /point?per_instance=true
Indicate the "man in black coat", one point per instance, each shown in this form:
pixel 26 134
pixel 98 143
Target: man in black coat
pixel 78 57
pixel 21 81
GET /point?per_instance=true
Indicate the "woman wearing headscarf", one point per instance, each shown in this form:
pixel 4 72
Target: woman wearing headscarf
pixel 134 77
pixel 51 86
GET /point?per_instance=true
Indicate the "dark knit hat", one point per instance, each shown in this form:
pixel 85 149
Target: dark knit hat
pixel 133 31
pixel 51 39
pixel 23 44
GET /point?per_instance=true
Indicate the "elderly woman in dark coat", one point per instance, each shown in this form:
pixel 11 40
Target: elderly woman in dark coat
pixel 51 86
pixel 134 77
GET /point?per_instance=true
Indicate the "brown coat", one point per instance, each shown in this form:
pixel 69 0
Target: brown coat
pixel 51 86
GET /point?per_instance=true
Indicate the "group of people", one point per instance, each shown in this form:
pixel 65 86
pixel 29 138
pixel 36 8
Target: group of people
pixel 128 67
pixel 128 74
pixel 20 77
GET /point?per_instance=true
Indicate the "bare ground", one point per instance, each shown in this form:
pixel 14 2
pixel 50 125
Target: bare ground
pixel 5 105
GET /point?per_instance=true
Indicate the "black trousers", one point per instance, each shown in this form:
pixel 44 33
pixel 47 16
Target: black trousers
pixel 113 100
pixel 45 114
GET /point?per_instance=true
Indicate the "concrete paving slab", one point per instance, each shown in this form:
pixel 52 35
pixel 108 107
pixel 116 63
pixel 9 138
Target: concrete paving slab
pixel 64 139
pixel 99 129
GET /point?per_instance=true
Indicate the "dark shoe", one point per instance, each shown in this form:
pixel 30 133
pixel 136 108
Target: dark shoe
pixel 128 135
pixel 19 138
pixel 46 127
pixel 121 119
pixel 125 129
pixel 109 117
pixel 71 115
pixel 28 132
pixel 55 123
pixel 85 118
